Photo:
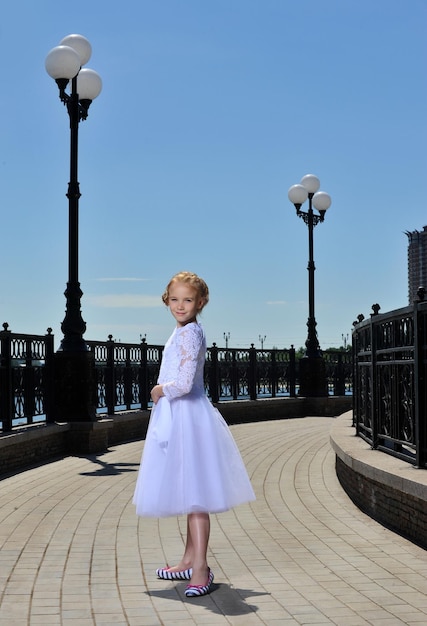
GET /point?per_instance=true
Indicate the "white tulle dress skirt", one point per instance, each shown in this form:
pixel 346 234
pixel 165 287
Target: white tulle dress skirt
pixel 190 462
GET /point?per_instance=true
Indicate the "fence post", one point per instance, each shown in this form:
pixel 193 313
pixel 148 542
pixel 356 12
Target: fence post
pixel 7 410
pixel 339 377
pixel 234 375
pixel 292 372
pixel 128 379
pixel 143 376
pixel 252 374
pixel 214 374
pixel 28 383
pixel 374 376
pixel 110 391
pixel 273 373
pixel 420 367
pixel 358 374
pixel 48 377
pixel 355 390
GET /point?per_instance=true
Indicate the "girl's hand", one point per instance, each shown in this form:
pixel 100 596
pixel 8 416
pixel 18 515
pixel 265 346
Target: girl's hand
pixel 156 393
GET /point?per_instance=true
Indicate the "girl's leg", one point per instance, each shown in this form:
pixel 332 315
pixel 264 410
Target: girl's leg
pixel 198 530
pixel 187 560
pixel 198 525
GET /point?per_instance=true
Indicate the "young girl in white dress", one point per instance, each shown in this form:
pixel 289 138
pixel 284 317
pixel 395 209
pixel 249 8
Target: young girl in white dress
pixel 190 464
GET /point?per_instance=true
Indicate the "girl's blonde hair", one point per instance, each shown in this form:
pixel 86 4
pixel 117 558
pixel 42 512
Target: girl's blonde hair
pixel 194 281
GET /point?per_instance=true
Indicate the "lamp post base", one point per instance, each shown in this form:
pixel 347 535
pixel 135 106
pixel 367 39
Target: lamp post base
pixel 312 377
pixel 74 387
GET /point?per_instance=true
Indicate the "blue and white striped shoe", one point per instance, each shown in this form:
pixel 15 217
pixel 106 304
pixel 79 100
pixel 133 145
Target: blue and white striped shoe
pixel 165 574
pixel 200 590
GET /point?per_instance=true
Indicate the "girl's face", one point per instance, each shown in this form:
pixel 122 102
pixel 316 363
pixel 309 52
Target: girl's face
pixel 184 303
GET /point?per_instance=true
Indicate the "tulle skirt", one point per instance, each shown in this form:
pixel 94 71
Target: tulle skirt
pixel 190 462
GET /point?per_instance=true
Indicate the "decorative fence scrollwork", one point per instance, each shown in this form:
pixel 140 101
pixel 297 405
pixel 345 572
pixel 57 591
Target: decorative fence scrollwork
pixel 125 374
pixel 390 375
pixel 25 378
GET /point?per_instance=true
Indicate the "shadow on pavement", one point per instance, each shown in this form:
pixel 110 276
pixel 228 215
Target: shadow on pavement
pixel 108 469
pixel 223 599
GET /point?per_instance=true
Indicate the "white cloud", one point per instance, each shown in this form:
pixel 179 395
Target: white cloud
pixel 287 303
pixel 123 280
pixel 124 301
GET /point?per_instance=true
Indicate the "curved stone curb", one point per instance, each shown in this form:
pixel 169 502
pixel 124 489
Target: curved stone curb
pixel 390 490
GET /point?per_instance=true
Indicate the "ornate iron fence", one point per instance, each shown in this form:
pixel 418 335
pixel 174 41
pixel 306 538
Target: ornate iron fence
pixel 125 374
pixel 233 374
pixel 25 378
pixel 390 370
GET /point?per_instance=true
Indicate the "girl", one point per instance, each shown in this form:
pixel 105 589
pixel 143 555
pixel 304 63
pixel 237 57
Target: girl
pixel 190 464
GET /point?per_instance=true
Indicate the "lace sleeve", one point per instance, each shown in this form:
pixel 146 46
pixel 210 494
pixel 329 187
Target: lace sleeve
pixel 189 341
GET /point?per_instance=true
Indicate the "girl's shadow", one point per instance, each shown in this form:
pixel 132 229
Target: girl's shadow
pixel 223 599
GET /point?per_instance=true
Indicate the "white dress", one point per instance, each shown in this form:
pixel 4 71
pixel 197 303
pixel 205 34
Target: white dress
pixel 190 461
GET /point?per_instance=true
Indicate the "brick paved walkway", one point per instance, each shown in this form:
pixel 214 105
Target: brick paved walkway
pixel 73 553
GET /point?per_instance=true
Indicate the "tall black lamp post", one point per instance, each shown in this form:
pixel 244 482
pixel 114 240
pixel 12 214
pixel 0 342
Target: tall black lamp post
pixel 75 398
pixel 312 374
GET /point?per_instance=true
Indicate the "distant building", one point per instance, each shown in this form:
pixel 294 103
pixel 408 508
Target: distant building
pixel 417 262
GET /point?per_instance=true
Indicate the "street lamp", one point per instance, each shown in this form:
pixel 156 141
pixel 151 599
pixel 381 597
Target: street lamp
pixel 74 363
pixel 313 380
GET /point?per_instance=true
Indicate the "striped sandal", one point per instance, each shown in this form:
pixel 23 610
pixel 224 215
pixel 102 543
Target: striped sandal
pixel 200 590
pixel 165 574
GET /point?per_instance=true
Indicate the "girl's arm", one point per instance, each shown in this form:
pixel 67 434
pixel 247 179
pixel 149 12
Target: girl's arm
pixel 189 341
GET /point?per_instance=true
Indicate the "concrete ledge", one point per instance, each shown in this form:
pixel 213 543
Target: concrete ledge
pixel 25 447
pixel 40 443
pixel 29 433
pixel 128 426
pixel 243 411
pixel 88 437
pixel 386 488
pixel 30 445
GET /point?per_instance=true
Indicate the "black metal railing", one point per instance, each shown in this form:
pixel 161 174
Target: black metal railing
pixel 125 374
pixel 390 375
pixel 25 378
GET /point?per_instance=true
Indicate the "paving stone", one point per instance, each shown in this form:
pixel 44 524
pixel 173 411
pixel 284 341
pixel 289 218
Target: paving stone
pixel 73 552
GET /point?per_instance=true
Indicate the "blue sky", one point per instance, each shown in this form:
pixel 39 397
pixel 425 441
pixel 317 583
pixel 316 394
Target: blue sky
pixel 210 111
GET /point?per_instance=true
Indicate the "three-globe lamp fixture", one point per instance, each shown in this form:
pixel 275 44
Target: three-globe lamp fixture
pixel 313 381
pixel 75 387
